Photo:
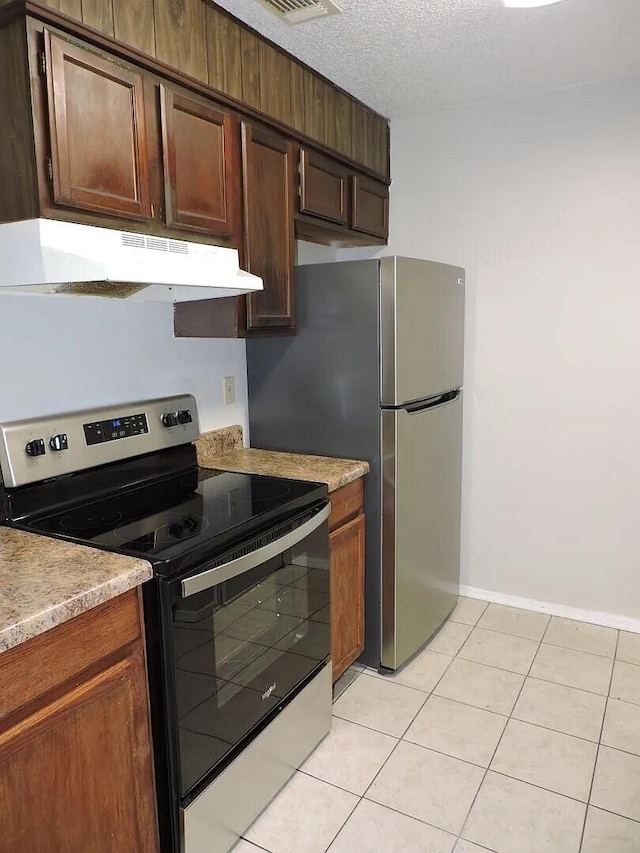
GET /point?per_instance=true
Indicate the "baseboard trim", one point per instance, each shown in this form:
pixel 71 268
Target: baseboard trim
pixel 609 620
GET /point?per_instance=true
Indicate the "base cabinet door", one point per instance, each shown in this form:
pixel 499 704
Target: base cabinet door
pixel 347 594
pixel 74 775
pixel 97 132
pixel 268 197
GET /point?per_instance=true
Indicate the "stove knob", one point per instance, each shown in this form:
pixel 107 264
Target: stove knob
pixel 170 419
pixel 59 442
pixel 35 447
pixel 184 417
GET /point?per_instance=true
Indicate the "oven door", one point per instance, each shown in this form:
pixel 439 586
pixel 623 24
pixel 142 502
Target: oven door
pixel 247 634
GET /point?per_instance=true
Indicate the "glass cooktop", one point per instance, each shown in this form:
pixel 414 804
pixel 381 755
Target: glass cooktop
pixel 197 511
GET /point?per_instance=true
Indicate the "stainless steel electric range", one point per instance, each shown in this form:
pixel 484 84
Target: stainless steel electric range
pixel 237 614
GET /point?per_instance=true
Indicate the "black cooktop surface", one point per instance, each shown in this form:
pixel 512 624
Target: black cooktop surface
pixel 181 519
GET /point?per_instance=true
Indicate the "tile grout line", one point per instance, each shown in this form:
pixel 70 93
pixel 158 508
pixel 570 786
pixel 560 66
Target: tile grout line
pixel 510 717
pixel 361 797
pixel 595 763
pixel 546 680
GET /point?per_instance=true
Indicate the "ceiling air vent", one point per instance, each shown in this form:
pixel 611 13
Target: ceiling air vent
pixel 298 11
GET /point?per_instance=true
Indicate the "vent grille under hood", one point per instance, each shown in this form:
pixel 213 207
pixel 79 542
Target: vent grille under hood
pixel 63 258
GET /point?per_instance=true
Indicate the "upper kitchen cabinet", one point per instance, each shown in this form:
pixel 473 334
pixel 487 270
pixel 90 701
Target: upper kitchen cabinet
pixel 370 207
pixel 335 202
pixel 200 160
pixel 97 131
pixel 206 44
pixel 268 187
pixel 324 187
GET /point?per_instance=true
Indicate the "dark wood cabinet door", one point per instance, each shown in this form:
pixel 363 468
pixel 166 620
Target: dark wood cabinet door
pixel 370 207
pixel 268 188
pixel 201 183
pixel 76 774
pixel 323 187
pixel 347 594
pixel 97 132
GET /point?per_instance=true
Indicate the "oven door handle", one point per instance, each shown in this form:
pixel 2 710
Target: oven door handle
pixel 220 574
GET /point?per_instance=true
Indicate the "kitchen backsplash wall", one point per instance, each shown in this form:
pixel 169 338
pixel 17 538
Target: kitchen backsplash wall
pixel 63 353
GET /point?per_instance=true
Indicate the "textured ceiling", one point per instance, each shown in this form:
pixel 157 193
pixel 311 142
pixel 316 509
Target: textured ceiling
pixel 404 57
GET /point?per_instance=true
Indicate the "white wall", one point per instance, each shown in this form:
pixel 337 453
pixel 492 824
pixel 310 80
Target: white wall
pixel 313 253
pixel 64 353
pixel 59 354
pixel 539 199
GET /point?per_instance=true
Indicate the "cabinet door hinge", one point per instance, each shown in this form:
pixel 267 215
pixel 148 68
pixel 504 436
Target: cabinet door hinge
pixel 299 190
pixel 42 63
pixel 50 169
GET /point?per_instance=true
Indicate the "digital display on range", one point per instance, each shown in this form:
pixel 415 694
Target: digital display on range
pixel 124 427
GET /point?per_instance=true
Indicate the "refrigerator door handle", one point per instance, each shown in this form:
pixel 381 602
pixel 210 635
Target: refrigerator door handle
pixel 432 402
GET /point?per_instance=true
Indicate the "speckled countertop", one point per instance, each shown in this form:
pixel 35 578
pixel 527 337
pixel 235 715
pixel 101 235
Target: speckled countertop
pixel 45 581
pixel 214 451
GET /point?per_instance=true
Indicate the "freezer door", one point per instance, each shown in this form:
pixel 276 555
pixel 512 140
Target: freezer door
pixel 422 329
pixel 421 467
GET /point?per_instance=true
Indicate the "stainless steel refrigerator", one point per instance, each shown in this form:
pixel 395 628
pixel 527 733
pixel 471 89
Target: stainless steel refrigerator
pixel 375 373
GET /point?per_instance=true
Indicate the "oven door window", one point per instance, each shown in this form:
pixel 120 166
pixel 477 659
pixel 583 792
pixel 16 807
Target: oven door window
pixel 243 647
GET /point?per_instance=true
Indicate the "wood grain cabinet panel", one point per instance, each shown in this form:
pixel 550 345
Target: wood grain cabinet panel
pixel 370 207
pixel 99 15
pixel 268 187
pixel 323 187
pixel 76 769
pixel 347 594
pixel 134 24
pixel 73 8
pixel 275 83
pixel 250 48
pixel 207 43
pixel 346 503
pixel 97 132
pixel 297 76
pixel 181 36
pixel 200 181
pixel 224 54
pixel 70 774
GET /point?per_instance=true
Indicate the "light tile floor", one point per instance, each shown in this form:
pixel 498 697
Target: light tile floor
pixel 512 732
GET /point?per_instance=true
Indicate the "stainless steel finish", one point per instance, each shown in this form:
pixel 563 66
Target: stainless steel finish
pixel 369 333
pixel 219 574
pixel 422 328
pixel 318 391
pixel 18 468
pixel 422 456
pixel 215 820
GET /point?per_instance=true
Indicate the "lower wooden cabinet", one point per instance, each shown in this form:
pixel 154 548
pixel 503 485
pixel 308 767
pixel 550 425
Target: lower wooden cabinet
pixel 76 770
pixel 346 542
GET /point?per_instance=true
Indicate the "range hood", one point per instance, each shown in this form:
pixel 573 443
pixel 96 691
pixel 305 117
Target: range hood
pixel 63 258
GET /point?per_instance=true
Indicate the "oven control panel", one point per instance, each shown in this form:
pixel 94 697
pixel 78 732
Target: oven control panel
pixel 121 427
pixel 37 449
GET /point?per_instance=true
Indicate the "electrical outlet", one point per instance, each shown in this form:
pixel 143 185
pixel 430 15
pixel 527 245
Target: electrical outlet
pixel 229 389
